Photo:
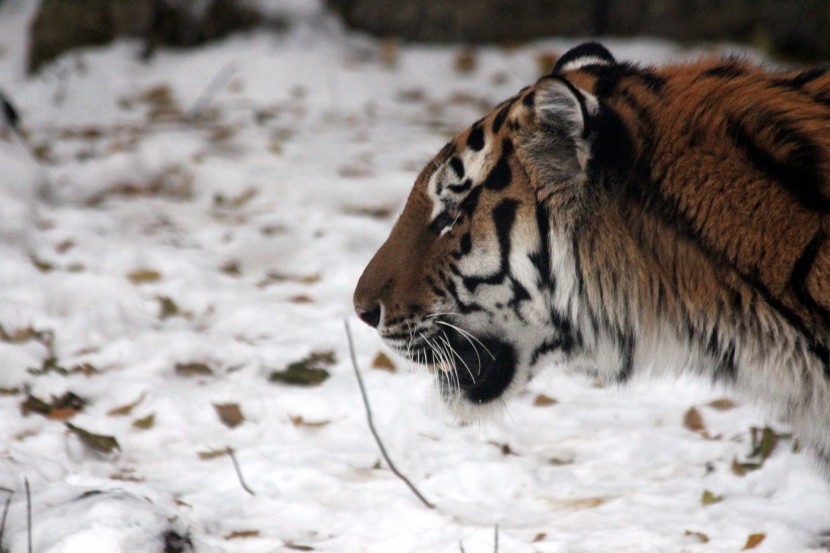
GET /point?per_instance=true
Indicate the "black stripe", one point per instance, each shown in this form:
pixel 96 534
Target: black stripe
pixel 801 272
pixel 801 79
pixel 500 175
pixel 625 343
pixel 475 140
pixel 541 257
pixel 498 120
pixel 798 172
pixel 504 216
pixel 609 79
pixel 725 71
pixel 457 166
pixel 461 187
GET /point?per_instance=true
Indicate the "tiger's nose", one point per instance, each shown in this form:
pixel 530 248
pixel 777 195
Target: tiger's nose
pixel 370 316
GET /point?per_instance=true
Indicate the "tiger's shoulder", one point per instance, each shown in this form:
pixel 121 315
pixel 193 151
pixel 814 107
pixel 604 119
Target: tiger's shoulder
pixel 734 158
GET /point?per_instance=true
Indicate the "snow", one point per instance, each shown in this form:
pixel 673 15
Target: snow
pixel 256 222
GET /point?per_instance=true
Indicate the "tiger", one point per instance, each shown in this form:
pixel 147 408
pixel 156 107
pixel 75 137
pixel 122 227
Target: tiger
pixel 618 219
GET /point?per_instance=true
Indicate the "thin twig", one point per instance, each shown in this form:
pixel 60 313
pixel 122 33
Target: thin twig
pixel 28 513
pixel 239 472
pixel 372 424
pixel 461 547
pixel 5 512
pixel 212 88
pixel 496 540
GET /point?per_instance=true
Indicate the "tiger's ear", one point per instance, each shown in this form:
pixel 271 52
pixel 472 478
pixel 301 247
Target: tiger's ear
pixel 567 110
pixel 588 53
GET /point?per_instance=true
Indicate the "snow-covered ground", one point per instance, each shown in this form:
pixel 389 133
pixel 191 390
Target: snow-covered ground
pixel 175 231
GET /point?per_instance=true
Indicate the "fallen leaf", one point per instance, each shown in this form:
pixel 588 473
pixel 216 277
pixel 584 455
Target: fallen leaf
pixel 231 268
pixel 708 498
pixel 382 362
pixel 306 372
pixel 753 541
pixel 167 308
pixel 236 534
pixel 541 400
pixel 465 61
pixel 703 538
pixel 212 454
pixel 193 369
pixel 301 299
pixel 764 442
pixel 33 404
pixel 96 442
pixel 126 409
pixel 143 276
pixel 62 413
pixel 740 469
pixel 145 423
pixel 298 420
pixel 229 413
pixel 723 404
pixel 539 537
pixel 296 547
pixel 693 420
pixel 61 408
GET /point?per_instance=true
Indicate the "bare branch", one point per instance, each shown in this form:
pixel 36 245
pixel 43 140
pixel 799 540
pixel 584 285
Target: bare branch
pixel 216 83
pixel 372 424
pixel 239 472
pixel 28 513
pixel 5 512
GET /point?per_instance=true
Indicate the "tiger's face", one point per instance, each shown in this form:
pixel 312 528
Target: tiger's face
pixel 475 279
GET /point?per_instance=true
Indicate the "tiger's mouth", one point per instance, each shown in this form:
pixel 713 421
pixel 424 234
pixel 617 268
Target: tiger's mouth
pixel 479 369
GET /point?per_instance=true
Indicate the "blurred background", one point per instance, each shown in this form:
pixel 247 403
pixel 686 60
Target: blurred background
pixel 792 29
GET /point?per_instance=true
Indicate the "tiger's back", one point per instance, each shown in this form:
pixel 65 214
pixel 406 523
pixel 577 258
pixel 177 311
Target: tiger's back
pixel 740 165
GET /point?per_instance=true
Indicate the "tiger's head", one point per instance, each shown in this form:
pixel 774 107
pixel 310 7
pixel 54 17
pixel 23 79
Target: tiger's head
pixel 477 278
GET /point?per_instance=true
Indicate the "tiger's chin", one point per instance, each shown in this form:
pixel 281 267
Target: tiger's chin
pixel 475 386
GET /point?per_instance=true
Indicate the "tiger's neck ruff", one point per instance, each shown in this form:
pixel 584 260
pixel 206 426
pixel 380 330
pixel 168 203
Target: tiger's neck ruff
pixel 623 220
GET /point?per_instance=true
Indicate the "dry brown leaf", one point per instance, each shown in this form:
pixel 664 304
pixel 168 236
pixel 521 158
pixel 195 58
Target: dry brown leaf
pixel 193 369
pixel 298 420
pixel 703 538
pixel 753 541
pixel 465 61
pixel 301 298
pixel 723 404
pixel 383 363
pixel 541 400
pixel 96 442
pixel 229 413
pixel 236 534
pixel 693 420
pixel 145 423
pixel 143 276
pixel 539 537
pixel 212 454
pixel 708 498
pixel 125 410
pixel 297 547
pixel 62 413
